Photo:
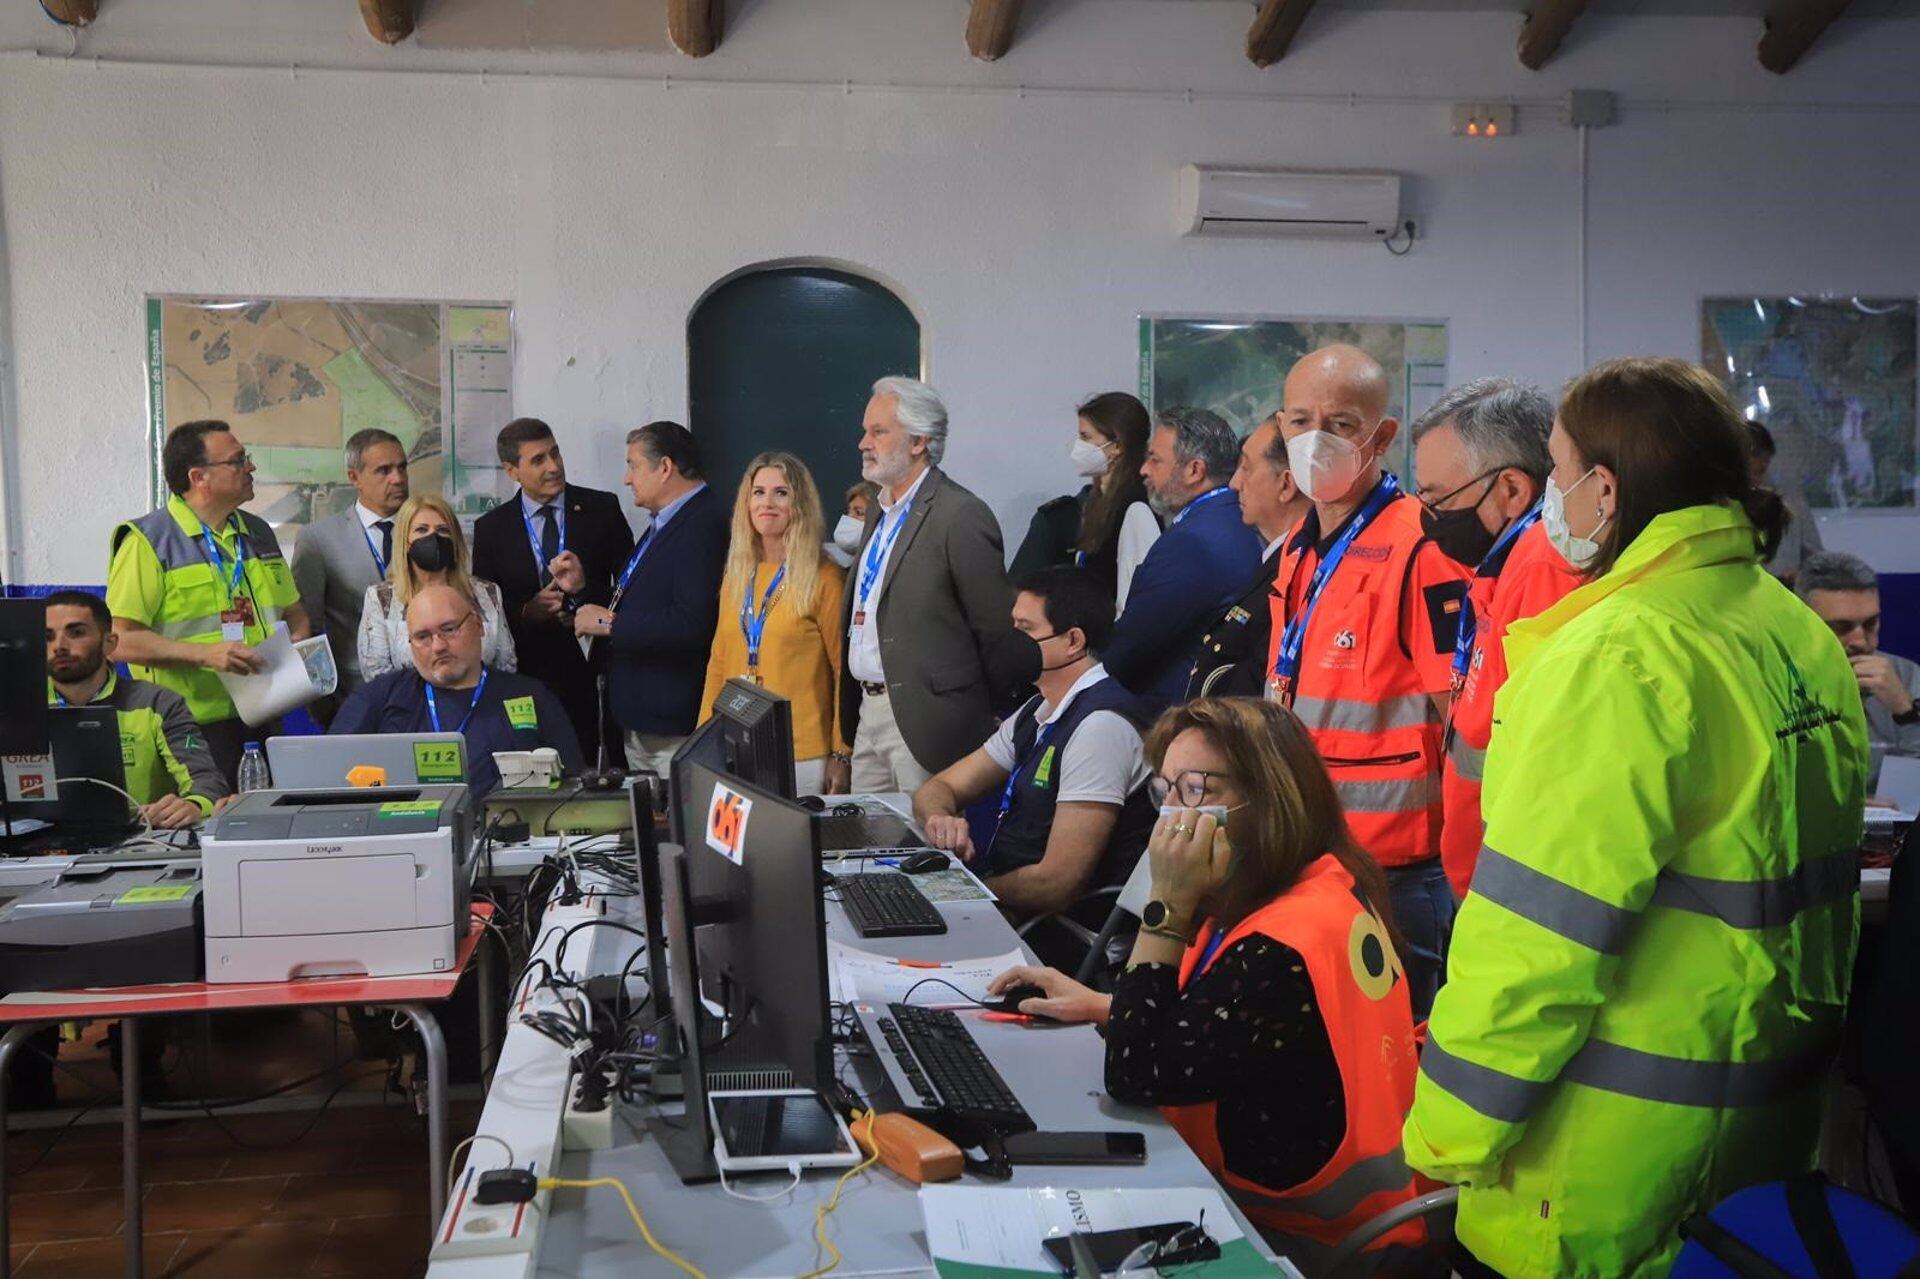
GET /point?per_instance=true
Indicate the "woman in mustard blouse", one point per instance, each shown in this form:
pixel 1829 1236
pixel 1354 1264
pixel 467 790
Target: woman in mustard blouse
pixel 780 615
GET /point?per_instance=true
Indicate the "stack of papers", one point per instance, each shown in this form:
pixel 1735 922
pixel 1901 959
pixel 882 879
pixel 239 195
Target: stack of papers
pixel 997 1233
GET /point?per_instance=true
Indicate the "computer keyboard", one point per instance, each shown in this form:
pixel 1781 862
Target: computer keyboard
pixel 886 904
pixel 842 832
pixel 935 1066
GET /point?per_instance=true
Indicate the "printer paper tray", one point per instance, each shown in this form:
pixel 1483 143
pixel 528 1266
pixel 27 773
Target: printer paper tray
pixel 376 954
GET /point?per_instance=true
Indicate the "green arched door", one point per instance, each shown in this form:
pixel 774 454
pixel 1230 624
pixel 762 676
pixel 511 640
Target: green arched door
pixel 783 358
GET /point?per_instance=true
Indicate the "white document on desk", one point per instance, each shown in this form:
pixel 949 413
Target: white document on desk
pixel 881 979
pixel 996 1232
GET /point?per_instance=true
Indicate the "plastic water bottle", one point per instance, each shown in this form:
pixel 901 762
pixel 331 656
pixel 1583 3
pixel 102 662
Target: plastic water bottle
pixel 253 770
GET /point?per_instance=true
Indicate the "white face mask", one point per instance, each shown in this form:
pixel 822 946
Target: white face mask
pixel 1216 811
pixel 1088 459
pixel 1576 550
pixel 1325 465
pixel 846 534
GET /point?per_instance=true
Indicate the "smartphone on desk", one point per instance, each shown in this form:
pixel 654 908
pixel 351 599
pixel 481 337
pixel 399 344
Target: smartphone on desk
pixel 1071 1148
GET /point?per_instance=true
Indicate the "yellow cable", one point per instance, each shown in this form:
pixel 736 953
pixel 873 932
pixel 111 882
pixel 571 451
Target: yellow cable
pixel 633 1210
pixel 820 1213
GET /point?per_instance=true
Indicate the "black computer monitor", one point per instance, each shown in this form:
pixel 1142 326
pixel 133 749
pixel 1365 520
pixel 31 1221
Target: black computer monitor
pixel 83 743
pixel 23 677
pixel 749 734
pixel 748 880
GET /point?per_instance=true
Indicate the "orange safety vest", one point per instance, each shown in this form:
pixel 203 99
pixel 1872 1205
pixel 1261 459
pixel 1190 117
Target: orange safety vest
pixel 1533 577
pixel 1362 993
pixel 1358 691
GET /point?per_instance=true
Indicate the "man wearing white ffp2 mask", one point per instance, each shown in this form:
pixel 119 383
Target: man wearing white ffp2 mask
pixel 1366 610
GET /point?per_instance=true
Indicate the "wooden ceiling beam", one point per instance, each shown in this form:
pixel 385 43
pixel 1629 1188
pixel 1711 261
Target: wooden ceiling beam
pixel 990 28
pixel 1791 30
pixel 1546 26
pixel 696 26
pixel 1273 29
pixel 388 21
pixel 72 13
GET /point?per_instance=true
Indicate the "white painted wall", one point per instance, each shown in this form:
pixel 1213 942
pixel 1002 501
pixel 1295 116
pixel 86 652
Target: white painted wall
pixel 1028 230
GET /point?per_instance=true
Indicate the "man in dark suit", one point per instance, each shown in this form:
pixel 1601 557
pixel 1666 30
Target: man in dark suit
pixel 657 626
pixel 1197 567
pixel 931 649
pixel 1233 653
pixel 517 545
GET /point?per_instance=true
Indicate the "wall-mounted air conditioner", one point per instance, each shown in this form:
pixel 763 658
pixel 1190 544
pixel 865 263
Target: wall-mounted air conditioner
pixel 1309 202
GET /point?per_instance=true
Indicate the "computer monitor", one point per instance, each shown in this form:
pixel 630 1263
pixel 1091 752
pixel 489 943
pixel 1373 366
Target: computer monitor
pixel 749 734
pixel 23 677
pixel 749 882
pixel 83 748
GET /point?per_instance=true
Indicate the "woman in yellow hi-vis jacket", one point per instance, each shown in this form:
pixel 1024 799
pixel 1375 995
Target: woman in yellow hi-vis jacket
pixel 1647 979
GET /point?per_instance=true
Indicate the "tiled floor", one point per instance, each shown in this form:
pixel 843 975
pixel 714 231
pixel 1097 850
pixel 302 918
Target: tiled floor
pixel 349 1199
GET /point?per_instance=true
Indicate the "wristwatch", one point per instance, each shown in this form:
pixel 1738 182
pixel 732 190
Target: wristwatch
pixel 1157 917
pixel 1909 717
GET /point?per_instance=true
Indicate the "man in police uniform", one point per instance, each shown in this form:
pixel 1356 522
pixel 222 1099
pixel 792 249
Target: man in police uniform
pixel 170 772
pixel 449 690
pixel 1364 626
pixel 197 585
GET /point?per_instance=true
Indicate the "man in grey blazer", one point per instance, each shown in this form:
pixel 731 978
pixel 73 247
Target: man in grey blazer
pixel 339 557
pixel 931 649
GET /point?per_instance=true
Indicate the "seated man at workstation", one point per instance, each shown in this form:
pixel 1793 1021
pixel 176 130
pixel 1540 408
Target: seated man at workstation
pixel 1069 766
pixel 170 770
pixel 1844 590
pixel 449 690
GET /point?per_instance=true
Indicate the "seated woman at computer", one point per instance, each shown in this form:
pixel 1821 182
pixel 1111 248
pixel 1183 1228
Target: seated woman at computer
pixel 781 623
pixel 435 555
pixel 447 688
pixel 1263 1008
pixel 170 771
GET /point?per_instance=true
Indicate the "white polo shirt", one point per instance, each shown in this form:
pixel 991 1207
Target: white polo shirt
pixel 863 627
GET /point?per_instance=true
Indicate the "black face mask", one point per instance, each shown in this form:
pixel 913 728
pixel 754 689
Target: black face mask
pixel 1460 535
pixel 431 554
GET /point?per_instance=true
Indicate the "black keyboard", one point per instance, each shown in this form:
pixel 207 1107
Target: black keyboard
pixel 886 904
pixel 840 832
pixel 946 1069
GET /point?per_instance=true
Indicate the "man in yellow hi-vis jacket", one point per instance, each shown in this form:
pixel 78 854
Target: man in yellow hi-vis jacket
pixel 1648 977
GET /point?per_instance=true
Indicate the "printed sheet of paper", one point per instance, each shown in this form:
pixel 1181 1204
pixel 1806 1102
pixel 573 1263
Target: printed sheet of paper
pixel 879 979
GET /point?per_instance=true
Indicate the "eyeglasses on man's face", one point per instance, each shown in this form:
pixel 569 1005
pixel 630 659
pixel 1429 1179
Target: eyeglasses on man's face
pixel 240 461
pixel 446 632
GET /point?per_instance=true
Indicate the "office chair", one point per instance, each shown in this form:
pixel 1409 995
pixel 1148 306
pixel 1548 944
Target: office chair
pixel 1128 899
pixel 1439 1204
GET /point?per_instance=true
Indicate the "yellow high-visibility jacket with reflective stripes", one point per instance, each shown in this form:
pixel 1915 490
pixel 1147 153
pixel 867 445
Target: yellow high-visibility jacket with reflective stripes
pixel 1647 979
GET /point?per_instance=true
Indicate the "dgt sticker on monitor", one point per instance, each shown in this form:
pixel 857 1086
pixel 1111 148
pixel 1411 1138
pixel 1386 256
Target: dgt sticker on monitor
pixel 727 823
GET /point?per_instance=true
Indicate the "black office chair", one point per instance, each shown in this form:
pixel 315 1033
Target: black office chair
pixel 1091 952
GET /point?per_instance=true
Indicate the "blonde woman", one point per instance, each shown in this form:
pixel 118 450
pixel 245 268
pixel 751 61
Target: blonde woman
pixel 780 619
pixel 435 554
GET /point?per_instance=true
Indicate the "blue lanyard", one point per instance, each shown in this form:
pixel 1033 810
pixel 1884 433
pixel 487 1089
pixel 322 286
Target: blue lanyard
pixel 220 561
pixel 540 571
pixel 633 562
pixel 1211 949
pixel 433 706
pixel 752 625
pixel 877 552
pixel 1198 502
pixel 1469 624
pixel 379 561
pixel 1033 758
pixel 1287 664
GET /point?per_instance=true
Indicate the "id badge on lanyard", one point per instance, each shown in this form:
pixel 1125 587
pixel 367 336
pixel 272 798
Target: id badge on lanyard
pixel 238 615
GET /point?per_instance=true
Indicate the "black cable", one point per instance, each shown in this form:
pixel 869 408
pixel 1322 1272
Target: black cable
pixel 942 981
pixel 560 950
pixel 546 827
pixel 54 1140
pixel 1409 230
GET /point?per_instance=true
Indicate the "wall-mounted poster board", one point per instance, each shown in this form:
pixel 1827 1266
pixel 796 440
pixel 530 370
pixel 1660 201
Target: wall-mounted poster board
pixel 1235 365
pixel 295 377
pixel 1832 379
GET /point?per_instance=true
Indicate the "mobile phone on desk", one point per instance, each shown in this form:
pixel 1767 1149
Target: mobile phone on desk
pixel 1083 1148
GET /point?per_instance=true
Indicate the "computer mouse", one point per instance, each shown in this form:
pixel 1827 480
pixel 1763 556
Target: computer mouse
pixel 812 803
pixel 1010 999
pixel 921 863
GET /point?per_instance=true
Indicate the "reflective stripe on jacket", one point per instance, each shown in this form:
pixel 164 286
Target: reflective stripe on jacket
pixel 1533 576
pixel 1363 997
pixel 1649 975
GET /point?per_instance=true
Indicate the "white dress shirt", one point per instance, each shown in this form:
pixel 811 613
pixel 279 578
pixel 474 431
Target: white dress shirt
pixel 367 521
pixel 863 636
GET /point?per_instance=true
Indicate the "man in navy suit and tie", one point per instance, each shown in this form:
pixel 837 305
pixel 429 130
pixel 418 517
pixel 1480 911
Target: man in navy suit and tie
pixel 657 627
pixel 549 524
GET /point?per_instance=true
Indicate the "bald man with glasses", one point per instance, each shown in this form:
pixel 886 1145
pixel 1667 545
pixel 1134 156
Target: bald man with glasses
pixel 448 689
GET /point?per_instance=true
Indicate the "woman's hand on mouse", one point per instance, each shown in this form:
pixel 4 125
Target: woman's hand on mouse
pixel 1066 999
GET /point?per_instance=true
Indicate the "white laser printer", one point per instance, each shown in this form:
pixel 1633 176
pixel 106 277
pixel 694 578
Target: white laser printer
pixel 328 883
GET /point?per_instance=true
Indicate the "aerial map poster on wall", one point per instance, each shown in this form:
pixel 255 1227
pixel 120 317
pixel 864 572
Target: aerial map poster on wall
pixel 296 376
pixel 1235 365
pixel 1832 379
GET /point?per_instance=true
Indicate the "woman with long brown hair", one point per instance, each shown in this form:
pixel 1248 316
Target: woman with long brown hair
pixel 1107 527
pixel 1263 1007
pixel 780 619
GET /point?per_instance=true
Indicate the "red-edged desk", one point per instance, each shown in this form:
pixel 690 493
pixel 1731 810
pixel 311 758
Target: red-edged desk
pixel 27 1011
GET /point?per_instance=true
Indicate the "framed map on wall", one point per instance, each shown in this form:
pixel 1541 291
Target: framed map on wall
pixel 297 376
pixel 1833 380
pixel 1235 365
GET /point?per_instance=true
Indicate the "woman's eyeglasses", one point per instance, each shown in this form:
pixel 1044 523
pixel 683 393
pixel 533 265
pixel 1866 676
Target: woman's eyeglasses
pixel 1190 787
